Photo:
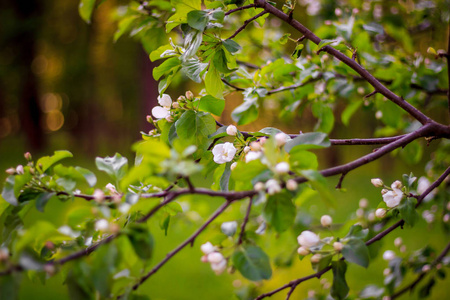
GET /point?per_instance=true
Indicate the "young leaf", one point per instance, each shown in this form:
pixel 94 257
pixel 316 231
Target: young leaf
pixel 115 166
pixel 141 240
pixel 310 140
pixel 339 289
pixel 42 200
pixel 231 46
pixel 85 9
pixel 408 211
pixel 252 263
pixel 356 251
pixel 198 19
pixel 213 105
pixel 213 83
pixel 47 161
pixel 280 211
pixel 324 43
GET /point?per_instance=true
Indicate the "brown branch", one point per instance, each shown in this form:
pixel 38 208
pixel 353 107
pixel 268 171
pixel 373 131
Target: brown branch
pixel 422 118
pixel 246 23
pixel 413 284
pixel 448 67
pixel 292 284
pixel 238 9
pixel 232 85
pixel 190 240
pixel 244 223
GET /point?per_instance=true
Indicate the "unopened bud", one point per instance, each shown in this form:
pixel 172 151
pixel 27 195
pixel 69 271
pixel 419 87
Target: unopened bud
pixel 326 220
pixel 49 245
pixel 204 259
pixel 50 269
pixel 114 228
pixel 247 149
pixel 360 213
pixel 176 105
pixel 149 119
pixel 291 185
pixel 189 95
pixel 181 99
pixel 169 118
pixel 282 168
pixel 338 246
pixel 316 258
pixel 388 255
pixel 231 130
pixel 281 139
pixel 377 182
pixel 363 203
pixel 4 254
pixel 398 242
pixel 380 213
pixel 27 156
pixel 255 146
pixel 99 196
pixel 259 187
pixel 19 169
pixel 426 268
pixel 303 251
pixel 386 272
pixel 233 166
pixel 10 171
pixel 262 140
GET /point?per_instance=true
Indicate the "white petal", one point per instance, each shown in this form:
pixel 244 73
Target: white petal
pixel 165 100
pixel 159 112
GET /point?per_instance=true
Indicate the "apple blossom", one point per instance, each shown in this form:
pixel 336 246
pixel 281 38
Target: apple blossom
pixel 101 225
pixel 111 188
pixel 393 198
pixel 308 239
pixel 231 130
pixel 189 95
pixel 255 146
pixel 165 101
pixel 176 105
pixel 426 268
pixel 422 185
pixel 207 248
pixel 218 268
pixel 273 187
pixel 338 246
pixel 27 156
pixel 281 139
pixel 380 213
pixel 215 257
pixel 282 168
pixel 169 118
pixel 377 182
pixel 316 258
pixel 223 153
pixel 326 220
pixel 252 155
pixel 19 169
pixel 291 185
pixel 396 184
pixel 388 255
pixel 98 195
pixel 303 251
pixel 160 112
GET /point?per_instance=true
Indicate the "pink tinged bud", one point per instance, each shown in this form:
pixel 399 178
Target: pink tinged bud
pixel 396 184
pixel 380 213
pixel 291 185
pixel 281 139
pixel 233 166
pixel 27 156
pixel 371 217
pixel 282 168
pixel 303 251
pixel 379 115
pixel 398 242
pixel 388 255
pixel 338 246
pixel 98 195
pixel 189 95
pixel 231 130
pixel 215 257
pixel 273 187
pixel 10 171
pixel 176 105
pixel 149 119
pixel 4 254
pixel 426 268
pixel 360 213
pixel 402 248
pixel 247 149
pixel 19 169
pixel 204 259
pixel 308 239
pixel 169 118
pixel 326 220
pixel 218 268
pixel 262 140
pixel 181 99
pixel 386 272
pixel 363 203
pixel 255 146
pixel 316 258
pixel 259 187
pixel 377 182
pixel 49 269
pixel 446 218
pixel 207 248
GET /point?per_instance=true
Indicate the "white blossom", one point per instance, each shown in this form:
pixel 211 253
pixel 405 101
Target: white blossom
pixel 377 182
pixel 308 239
pixel 112 189
pixel 102 225
pixel 218 268
pixel 169 118
pixel 393 198
pixel 326 220
pixel 231 130
pixel 252 155
pixel 207 248
pixel 282 168
pixel 165 101
pixel 124 208
pixel 422 185
pixel 160 112
pixel 273 186
pixel 215 257
pixel 388 255
pixel 223 153
pixel 316 258
pixel 255 146
pixel 363 203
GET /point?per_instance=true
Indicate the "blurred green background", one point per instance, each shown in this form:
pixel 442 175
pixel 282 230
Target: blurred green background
pixel 64 84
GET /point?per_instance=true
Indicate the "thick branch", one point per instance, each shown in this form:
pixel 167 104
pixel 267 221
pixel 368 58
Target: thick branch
pixel 422 118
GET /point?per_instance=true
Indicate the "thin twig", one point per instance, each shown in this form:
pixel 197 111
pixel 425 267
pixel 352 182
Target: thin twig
pixel 244 223
pixel 246 23
pixel 413 284
pixel 238 9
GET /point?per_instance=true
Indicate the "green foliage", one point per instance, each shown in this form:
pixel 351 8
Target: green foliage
pixel 252 263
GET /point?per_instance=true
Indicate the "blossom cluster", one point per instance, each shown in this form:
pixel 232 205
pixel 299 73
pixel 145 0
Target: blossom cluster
pixel 215 258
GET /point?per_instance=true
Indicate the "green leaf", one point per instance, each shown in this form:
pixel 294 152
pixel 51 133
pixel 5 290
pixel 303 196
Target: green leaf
pixel 167 66
pixel 231 46
pixel 88 175
pixel 8 191
pixel 192 42
pixel 310 140
pixel 213 83
pixel 47 161
pixel 356 251
pixel 357 232
pixel 325 115
pixel 42 200
pixel 297 51
pixel 197 19
pixel 324 43
pixel 319 183
pixel 408 211
pixel 85 9
pixel 141 240
pixel 252 263
pixel 157 54
pixel 225 178
pixel 220 62
pixel 425 291
pixel 124 25
pixel 324 262
pixel 10 286
pixel 213 105
pixel 192 67
pixel 193 128
pixel 349 111
pixel 302 160
pixel 280 211
pixel 339 289
pixel 182 8
pixel 115 166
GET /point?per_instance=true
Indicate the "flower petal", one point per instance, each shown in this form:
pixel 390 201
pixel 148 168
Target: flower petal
pixel 160 112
